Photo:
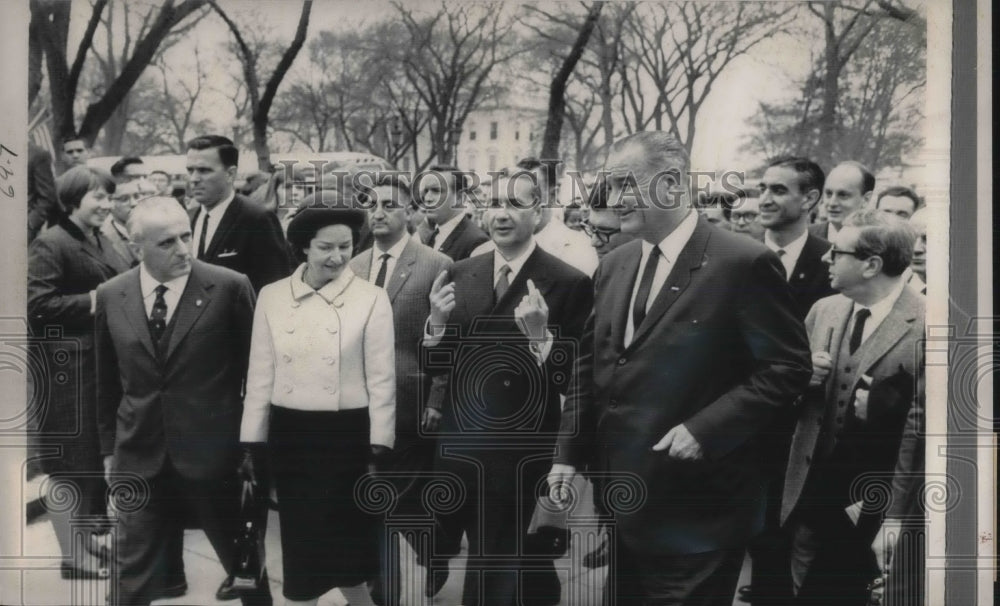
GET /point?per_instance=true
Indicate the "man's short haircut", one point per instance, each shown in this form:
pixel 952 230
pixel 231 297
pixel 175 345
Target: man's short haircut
pixel 811 176
pixel 73 137
pixel 228 153
pixel 597 199
pixel 159 172
pixel 149 207
pixel 900 191
pixel 664 152
pixel 884 235
pixel 396 180
pixel 550 169
pixel 457 177
pixel 867 178
pixel 118 168
pixel 75 183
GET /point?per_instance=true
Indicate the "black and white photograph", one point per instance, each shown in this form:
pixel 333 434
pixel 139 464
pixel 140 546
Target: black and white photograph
pixel 497 303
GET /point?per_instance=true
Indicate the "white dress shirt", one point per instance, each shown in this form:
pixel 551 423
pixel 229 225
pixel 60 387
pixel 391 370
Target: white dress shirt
pixel 445 229
pixel 328 349
pixel 793 250
pixel 148 284
pixel 879 310
pixel 831 231
pixel 214 216
pixel 670 247
pixel 390 264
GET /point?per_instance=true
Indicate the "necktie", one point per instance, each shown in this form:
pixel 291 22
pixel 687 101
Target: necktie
pixel 380 278
pixel 432 237
pixel 645 286
pixel 97 238
pixel 503 282
pixel 201 238
pixel 781 252
pixel 158 317
pixel 859 329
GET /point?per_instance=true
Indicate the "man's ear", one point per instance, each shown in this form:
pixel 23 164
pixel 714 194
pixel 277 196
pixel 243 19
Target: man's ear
pixel 867 197
pixel 231 171
pixel 873 266
pixel 813 197
pixel 136 249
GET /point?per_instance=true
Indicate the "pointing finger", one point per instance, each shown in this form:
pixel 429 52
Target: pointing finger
pixel 439 281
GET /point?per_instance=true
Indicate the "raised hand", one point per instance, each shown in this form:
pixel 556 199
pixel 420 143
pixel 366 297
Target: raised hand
pixel 532 314
pixel 442 299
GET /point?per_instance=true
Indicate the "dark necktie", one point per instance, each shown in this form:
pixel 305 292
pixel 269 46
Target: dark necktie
pixel 645 286
pixel 158 317
pixel 201 238
pixel 380 278
pixel 503 282
pixel 432 237
pixel 781 252
pixel 97 238
pixel 859 329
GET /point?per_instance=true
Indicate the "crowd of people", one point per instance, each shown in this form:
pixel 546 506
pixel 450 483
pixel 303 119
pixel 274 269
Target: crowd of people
pixel 749 361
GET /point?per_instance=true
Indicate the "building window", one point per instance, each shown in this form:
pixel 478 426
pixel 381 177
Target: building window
pixel 517 135
pixel 472 135
pixel 493 132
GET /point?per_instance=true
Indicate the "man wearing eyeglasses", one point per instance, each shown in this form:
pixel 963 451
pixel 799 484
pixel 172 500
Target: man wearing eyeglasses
pixel 115 227
pixel 857 436
pixel 745 217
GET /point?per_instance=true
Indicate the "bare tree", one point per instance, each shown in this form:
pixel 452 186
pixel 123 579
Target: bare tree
pixel 674 53
pixel 49 31
pixel 261 100
pixel 447 58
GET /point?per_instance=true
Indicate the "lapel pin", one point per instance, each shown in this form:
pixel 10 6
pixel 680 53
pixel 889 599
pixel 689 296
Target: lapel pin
pixel 801 276
pixel 197 303
pixel 674 288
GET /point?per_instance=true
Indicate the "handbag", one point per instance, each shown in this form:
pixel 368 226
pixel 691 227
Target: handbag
pixel 249 574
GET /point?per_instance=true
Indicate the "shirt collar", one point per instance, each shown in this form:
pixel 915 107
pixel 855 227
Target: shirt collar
pixel 514 264
pixel 220 209
pixel 328 292
pixel 882 308
pixel 148 284
pixel 793 249
pixel 674 243
pixel 395 251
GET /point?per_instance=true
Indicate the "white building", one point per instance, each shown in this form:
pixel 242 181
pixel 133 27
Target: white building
pixel 496 138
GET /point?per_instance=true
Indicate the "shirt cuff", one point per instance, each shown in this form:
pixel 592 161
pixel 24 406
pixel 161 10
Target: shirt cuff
pixel 431 339
pixel 93 302
pixel 542 349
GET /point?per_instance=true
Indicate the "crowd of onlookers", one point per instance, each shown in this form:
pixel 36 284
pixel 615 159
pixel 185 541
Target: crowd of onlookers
pixel 279 330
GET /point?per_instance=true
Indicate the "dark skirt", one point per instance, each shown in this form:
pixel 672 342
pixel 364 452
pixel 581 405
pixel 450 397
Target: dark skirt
pixel 327 540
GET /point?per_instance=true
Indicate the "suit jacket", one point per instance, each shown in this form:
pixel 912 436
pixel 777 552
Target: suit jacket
pixel 819 229
pixel 810 279
pixel 248 240
pixel 893 357
pixel 43 201
pixel 497 393
pixel 463 240
pixel 408 288
pixel 720 350
pixel 119 244
pixel 187 405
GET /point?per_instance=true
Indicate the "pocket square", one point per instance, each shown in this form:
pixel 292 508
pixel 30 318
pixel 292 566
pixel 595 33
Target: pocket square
pixel 228 253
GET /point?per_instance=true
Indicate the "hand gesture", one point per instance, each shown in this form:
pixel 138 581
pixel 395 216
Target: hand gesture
pixel 680 444
pixel 822 363
pixel 442 300
pixel 885 543
pixel 532 314
pixel 430 420
pixel 560 478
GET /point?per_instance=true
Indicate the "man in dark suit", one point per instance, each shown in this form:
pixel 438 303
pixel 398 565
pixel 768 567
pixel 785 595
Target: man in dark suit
pixel 847 188
pixel 173 337
pixel 858 435
pixel 692 347
pixel 441 192
pixel 406 269
pixel 508 323
pixel 228 229
pixel 789 189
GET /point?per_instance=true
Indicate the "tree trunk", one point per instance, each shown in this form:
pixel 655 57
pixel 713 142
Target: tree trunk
pixel 831 90
pixel 557 90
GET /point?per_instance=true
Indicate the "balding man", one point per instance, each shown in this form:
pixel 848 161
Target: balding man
pixel 693 346
pixel 848 187
pixel 918 280
pixel 172 341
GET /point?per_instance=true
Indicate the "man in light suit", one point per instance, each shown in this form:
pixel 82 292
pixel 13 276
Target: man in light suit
pixel 406 269
pixel 692 347
pixel 510 323
pixel 858 427
pixel 228 229
pixel 173 337
pixel 440 193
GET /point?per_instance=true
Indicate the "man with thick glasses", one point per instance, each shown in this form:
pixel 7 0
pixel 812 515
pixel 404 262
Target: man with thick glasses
pixel 745 217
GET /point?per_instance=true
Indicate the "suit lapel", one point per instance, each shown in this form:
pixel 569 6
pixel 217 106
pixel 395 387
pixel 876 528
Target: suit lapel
pixel 194 300
pixel 453 236
pixel 226 225
pixel 135 312
pixel 808 261
pixel 889 332
pixel 691 258
pixel 402 271
pixel 478 297
pixel 624 278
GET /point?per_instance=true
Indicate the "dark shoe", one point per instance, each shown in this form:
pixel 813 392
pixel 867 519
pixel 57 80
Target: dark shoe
pixel 68 571
pixel 598 558
pixel 745 594
pixel 435 580
pixel 226 590
pixel 173 591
